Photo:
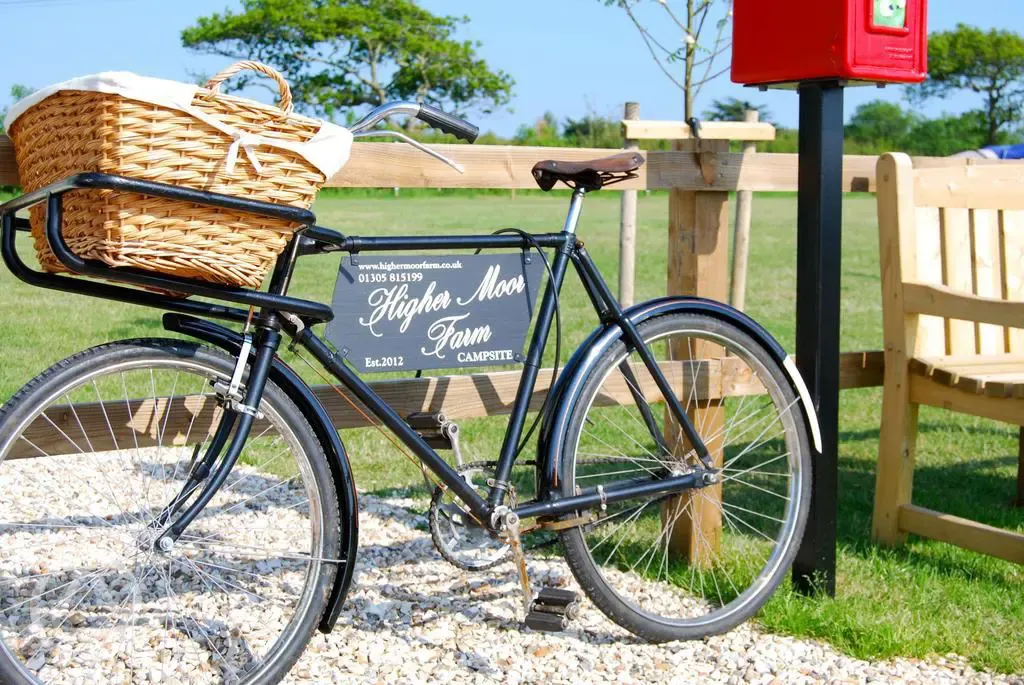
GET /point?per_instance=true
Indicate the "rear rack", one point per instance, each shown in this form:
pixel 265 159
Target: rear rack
pixel 53 194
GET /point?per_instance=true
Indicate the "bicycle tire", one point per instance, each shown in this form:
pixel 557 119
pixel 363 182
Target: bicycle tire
pixel 616 585
pixel 224 639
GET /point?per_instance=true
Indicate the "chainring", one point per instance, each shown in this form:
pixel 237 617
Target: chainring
pixel 466 544
pixel 459 539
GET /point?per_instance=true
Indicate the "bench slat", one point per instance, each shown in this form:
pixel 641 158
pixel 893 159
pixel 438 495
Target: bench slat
pixel 975 373
pixel 957 274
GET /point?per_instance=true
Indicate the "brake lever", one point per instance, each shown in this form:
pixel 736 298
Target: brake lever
pixel 415 143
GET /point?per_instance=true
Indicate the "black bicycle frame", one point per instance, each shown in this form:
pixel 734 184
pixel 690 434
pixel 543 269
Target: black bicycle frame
pixel 296 317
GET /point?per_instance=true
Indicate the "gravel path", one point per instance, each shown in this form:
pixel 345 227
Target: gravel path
pixel 413 618
pixel 410 618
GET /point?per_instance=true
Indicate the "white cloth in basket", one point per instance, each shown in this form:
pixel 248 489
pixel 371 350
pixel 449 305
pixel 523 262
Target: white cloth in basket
pixel 328 150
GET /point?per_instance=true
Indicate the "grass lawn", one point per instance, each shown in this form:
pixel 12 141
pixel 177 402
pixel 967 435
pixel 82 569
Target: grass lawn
pixel 927 598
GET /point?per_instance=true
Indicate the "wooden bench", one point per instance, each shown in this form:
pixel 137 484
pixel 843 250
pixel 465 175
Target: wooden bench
pixel 952 259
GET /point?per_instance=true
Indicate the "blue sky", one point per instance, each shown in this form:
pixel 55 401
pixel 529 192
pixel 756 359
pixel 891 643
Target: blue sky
pixel 567 56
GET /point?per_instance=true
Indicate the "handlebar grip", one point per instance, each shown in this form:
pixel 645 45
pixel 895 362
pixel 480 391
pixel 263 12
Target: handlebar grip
pixel 448 123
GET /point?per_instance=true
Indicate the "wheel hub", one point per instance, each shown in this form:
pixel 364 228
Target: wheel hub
pixel 149 540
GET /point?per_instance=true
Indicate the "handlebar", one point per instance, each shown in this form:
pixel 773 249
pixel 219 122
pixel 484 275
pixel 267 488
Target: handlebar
pixel 443 121
pixel 431 116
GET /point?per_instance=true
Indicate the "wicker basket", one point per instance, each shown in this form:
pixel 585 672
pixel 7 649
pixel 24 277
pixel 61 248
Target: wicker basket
pixel 77 131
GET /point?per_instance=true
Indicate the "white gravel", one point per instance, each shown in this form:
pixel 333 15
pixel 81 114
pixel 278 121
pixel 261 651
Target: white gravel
pixel 413 618
pixel 410 617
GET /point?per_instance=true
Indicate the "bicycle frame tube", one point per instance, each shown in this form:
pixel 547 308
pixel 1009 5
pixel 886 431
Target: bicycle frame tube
pixel 480 508
pixel 567 248
pixel 390 418
pixel 528 379
pixel 603 313
pixel 614 314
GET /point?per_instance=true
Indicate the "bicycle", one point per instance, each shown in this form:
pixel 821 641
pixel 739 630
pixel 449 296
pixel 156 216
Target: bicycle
pixel 190 501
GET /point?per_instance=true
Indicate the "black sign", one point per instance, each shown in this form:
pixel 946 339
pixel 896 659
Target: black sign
pixel 394 313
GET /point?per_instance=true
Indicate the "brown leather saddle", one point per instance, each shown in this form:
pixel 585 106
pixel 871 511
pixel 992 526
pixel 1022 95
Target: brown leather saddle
pixel 592 175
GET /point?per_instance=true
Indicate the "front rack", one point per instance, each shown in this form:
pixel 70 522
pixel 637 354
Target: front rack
pixel 52 195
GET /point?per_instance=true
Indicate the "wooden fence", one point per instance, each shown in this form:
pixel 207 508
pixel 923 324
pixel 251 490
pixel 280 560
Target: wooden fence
pixel 699 177
pixel 697 246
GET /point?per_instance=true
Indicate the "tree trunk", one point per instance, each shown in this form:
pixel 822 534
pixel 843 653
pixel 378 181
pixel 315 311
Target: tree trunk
pixel 993 125
pixel 690 54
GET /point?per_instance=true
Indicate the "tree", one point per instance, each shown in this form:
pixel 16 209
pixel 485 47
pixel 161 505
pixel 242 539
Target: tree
pixel 341 54
pixel 699 60
pixel 987 63
pixel 544 132
pixel 948 135
pixel 733 109
pixel 881 124
pixel 593 131
pixel 17 92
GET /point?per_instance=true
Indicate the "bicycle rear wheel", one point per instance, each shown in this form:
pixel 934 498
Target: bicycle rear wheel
pixel 91 451
pixel 699 563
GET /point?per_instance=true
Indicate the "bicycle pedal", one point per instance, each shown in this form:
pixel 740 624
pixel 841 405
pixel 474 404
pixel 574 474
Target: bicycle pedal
pixel 426 420
pixel 555 602
pixel 430 426
pixel 548 623
pixel 556 596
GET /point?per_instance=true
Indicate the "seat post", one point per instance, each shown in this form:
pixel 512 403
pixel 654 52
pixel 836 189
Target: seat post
pixel 575 209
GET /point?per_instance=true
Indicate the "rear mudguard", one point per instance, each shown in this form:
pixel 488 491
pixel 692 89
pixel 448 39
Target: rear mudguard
pixel 341 472
pixel 567 388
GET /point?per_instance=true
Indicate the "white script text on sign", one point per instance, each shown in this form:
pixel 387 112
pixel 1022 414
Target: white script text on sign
pixel 433 312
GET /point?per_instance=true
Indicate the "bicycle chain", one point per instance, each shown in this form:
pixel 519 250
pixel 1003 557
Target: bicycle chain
pixel 493 465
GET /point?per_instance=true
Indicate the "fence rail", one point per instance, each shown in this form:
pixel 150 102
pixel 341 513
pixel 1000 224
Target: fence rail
pixel 165 420
pixel 391 165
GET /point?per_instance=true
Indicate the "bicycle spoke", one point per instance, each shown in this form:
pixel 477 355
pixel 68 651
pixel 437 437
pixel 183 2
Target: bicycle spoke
pixel 113 437
pixel 209 641
pixel 230 592
pixel 710 550
pixel 625 456
pixel 221 583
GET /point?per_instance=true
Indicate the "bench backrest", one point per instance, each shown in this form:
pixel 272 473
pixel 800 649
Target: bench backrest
pixel 957 224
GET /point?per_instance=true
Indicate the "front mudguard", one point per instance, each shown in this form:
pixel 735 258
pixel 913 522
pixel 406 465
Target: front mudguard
pixel 566 390
pixel 341 471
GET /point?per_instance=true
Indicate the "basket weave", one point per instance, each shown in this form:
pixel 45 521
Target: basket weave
pixel 79 131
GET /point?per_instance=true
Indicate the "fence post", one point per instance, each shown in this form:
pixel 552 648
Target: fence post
pixel 698 262
pixel 741 234
pixel 627 226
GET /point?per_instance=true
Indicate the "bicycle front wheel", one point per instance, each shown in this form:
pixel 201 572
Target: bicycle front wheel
pixel 91 451
pixel 701 562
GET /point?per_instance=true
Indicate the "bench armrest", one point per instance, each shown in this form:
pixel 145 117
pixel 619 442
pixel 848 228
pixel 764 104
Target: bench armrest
pixel 939 300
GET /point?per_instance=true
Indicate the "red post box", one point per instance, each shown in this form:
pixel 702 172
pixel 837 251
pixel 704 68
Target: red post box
pixel 878 41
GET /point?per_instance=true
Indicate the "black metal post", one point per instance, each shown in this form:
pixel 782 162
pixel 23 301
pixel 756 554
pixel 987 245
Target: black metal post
pixel 819 231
